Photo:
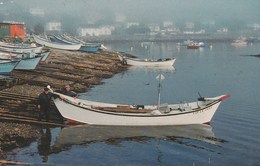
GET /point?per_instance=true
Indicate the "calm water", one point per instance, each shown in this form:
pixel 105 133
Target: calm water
pixel 233 137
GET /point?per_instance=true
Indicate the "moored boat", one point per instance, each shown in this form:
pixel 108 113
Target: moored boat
pixel 146 62
pixel 193 45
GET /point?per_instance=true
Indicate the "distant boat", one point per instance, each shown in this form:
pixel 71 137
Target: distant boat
pixel 145 62
pixel 193 45
pixel 239 42
pixel 187 42
pixel 56 45
pixel 7 66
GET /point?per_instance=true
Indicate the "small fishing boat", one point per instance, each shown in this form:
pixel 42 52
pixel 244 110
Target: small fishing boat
pixel 84 111
pixel 145 62
pixel 56 45
pixel 7 66
pixel 98 113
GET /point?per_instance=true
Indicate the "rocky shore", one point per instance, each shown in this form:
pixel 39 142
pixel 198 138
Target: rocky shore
pixel 78 69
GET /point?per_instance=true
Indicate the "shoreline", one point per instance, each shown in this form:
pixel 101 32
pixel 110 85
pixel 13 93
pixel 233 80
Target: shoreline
pixel 78 69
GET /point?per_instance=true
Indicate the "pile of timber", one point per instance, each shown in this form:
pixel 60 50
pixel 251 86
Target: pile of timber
pixel 22 108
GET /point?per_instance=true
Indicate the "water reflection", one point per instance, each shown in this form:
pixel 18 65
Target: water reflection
pixel 44 144
pixel 114 135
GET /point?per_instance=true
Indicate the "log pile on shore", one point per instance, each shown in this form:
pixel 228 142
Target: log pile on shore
pixel 78 69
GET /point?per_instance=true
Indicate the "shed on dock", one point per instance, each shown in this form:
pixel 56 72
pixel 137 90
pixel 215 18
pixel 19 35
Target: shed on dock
pixel 12 30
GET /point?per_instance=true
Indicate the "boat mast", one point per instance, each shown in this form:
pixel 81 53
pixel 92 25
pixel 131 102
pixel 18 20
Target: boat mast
pixel 159 77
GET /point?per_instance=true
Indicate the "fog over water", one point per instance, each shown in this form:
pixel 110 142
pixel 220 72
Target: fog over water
pixel 147 11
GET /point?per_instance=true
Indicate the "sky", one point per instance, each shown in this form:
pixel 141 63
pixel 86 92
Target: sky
pixel 177 11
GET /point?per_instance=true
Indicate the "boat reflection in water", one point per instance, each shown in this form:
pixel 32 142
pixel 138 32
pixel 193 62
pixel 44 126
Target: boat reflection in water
pixel 86 134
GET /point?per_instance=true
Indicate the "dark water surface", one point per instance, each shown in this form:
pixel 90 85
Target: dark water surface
pixel 233 138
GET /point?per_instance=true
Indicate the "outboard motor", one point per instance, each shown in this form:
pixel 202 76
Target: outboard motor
pixel 200 97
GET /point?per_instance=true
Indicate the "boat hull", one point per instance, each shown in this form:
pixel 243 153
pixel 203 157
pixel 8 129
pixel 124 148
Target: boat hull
pixel 28 64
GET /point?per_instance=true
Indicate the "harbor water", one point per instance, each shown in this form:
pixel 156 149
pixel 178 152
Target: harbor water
pixel 232 138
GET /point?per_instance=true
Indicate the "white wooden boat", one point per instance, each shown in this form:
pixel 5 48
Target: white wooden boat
pixel 21 49
pixel 145 62
pixel 96 113
pixel 50 44
pixel 88 134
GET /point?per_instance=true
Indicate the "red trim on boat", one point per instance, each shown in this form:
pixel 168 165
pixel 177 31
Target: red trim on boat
pixel 224 97
pixel 72 122
pixel 208 123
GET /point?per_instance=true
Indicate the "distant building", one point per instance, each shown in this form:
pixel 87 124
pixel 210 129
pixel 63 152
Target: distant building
pixel 53 27
pixel 101 31
pixel 12 30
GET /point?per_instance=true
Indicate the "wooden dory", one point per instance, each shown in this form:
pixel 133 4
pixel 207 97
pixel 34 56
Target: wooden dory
pixel 97 113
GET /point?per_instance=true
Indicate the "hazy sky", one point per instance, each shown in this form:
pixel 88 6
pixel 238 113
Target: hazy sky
pixel 142 10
